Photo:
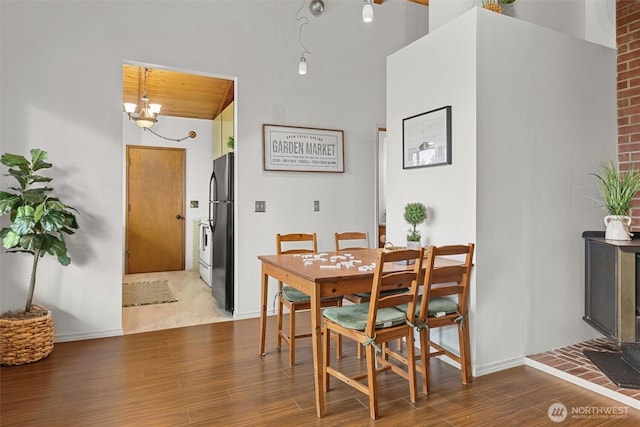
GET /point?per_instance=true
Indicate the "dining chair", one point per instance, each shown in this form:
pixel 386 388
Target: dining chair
pixel 444 302
pixel 354 237
pixel 376 323
pixel 293 299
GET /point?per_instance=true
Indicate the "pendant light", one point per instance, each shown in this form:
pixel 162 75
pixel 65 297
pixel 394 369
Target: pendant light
pixel 302 64
pixel 367 11
pixel 147 116
pixel 316 7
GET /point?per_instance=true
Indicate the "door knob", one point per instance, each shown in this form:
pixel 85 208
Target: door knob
pixel 178 216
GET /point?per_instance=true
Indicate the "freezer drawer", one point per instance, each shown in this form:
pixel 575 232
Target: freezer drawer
pixel 205 273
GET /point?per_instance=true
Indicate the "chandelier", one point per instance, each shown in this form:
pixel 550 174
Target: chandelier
pixel 143 113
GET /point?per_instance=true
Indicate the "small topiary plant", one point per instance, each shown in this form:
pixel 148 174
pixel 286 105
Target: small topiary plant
pixel 414 214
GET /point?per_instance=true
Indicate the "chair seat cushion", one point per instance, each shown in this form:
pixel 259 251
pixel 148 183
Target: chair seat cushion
pixel 383 293
pixel 355 316
pixel 294 295
pixel 436 305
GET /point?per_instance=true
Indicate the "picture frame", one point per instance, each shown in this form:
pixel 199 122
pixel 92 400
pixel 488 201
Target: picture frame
pixel 302 149
pixel 426 139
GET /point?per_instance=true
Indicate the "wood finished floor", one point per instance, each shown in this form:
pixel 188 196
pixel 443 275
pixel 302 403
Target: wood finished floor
pixel 211 375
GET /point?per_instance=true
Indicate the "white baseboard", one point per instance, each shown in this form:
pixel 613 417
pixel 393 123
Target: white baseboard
pixel 89 335
pixel 479 371
pixel 619 397
pixel 487 369
pixel 250 315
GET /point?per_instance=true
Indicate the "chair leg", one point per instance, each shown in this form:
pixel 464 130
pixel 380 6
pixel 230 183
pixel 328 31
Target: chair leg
pixel 359 351
pixel 339 339
pixel 465 359
pixel 292 336
pixel 370 353
pixel 411 367
pixel 326 352
pixel 279 337
pixel 425 355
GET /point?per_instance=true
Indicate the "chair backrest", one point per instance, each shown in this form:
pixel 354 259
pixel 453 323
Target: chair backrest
pixel 394 280
pixel 308 243
pixel 352 237
pixel 448 280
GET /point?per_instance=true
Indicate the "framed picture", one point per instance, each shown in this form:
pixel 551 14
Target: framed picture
pixel 426 139
pixel 299 149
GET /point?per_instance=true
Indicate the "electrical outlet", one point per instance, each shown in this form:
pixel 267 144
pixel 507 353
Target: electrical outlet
pixel 316 205
pixel 261 206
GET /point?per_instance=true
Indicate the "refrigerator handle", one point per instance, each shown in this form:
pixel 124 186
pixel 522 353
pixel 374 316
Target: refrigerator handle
pixel 213 195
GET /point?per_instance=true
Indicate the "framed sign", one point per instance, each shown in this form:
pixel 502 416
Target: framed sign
pixel 293 148
pixel 426 139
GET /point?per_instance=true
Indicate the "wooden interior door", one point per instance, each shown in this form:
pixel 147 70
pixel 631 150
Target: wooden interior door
pixel 155 209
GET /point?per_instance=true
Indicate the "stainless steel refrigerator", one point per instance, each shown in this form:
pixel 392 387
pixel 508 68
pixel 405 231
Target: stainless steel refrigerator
pixel 221 223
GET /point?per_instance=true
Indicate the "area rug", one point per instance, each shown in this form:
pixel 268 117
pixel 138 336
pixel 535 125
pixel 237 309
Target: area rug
pixel 146 293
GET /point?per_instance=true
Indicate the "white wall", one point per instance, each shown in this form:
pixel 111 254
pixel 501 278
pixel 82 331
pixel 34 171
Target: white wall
pixel 420 78
pixel 199 160
pixel 61 83
pixel 526 135
pixel 592 20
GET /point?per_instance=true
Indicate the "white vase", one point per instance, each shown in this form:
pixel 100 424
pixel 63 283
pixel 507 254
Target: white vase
pixel 413 245
pixel 617 227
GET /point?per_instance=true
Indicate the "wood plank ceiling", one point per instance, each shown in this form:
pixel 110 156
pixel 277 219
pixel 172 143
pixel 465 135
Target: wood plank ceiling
pixel 180 94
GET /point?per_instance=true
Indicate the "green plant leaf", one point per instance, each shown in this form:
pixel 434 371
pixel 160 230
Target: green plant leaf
pixel 24 221
pixel 35 195
pixel 56 204
pixel 21 176
pixel 617 189
pixel 70 221
pixel 38 178
pixel 52 220
pixel 60 250
pixel 9 238
pixel 7 202
pixel 38 158
pixel 37 215
pixel 12 160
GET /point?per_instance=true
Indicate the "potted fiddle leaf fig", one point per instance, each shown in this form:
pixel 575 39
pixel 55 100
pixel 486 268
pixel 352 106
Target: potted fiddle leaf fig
pixel 415 214
pixel 38 223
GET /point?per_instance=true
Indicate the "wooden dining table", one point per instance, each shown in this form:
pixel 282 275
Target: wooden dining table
pixel 319 278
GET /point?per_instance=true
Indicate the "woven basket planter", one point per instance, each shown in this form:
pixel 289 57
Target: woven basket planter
pixel 26 340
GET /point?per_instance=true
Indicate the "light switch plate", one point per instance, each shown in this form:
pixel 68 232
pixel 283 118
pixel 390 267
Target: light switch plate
pixel 261 206
pixel 316 205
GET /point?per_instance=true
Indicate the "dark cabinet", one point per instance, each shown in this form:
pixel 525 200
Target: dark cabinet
pixel 612 279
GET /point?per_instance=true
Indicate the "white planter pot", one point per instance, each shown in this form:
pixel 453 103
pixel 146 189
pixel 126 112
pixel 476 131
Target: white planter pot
pixel 413 245
pixel 617 227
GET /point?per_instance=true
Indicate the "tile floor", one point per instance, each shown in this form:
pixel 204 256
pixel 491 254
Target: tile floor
pixel 195 305
pixel 571 364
